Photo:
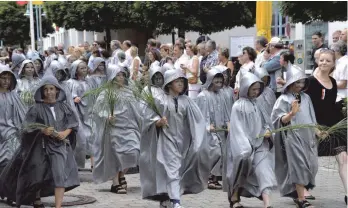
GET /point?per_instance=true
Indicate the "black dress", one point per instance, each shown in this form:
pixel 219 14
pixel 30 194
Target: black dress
pixel 327 114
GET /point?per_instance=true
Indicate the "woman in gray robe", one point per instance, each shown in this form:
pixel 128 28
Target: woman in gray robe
pixel 227 91
pixel 97 75
pixel 28 81
pixel 78 84
pixel 117 134
pixel 249 168
pixel 179 165
pixel 44 165
pixel 296 163
pixel 211 102
pixel 267 99
pixel 12 112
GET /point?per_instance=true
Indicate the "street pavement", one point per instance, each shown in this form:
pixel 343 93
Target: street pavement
pixel 328 192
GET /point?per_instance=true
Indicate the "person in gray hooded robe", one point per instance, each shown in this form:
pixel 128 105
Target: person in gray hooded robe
pixel 27 82
pixel 17 60
pixel 12 112
pixel 211 102
pixel 267 98
pixel 227 91
pixel 296 163
pixel 79 84
pixel 249 168
pixel 44 164
pixel 156 80
pixel 39 65
pixel 179 165
pixel 97 75
pixel 116 146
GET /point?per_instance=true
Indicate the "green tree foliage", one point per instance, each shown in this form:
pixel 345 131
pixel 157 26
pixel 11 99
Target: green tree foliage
pixel 15 27
pixel 306 12
pixel 203 17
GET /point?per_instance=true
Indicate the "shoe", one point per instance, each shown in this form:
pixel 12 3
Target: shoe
pixel 38 204
pixel 236 205
pixel 123 182
pixel 177 205
pixel 302 204
pixel 165 204
pixel 311 197
pixel 118 189
pixel 218 186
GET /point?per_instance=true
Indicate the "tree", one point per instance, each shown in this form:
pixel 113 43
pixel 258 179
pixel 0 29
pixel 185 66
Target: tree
pixel 203 17
pixel 307 12
pixel 94 16
pixel 15 27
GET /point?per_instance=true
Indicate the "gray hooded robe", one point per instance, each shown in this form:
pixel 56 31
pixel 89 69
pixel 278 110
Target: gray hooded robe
pixel 117 143
pixel 78 88
pixel 267 99
pixel 24 84
pixel 179 165
pixel 42 162
pixel 249 160
pixel 12 112
pixel 295 150
pixel 97 80
pixel 212 106
pixel 227 91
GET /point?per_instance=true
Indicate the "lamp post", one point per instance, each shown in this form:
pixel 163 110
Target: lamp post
pixel 30 13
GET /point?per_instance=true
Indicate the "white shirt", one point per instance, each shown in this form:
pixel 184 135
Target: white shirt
pixel 341 73
pixel 53 113
pixel 259 59
pixel 184 59
pixel 245 68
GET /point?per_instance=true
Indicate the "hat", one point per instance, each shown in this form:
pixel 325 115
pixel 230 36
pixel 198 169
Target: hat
pixel 275 41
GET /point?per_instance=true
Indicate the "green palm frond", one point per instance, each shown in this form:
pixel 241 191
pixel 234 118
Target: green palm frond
pixel 27 97
pixel 38 126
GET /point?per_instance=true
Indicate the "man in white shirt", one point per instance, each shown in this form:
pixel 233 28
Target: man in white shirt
pixel 181 58
pixel 126 48
pixel 260 46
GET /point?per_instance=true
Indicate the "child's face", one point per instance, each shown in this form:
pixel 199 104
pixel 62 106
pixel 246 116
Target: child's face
pixel 29 70
pixel 254 90
pixel 120 79
pixel 37 64
pixel 101 67
pixel 158 79
pixel 216 84
pixel 82 70
pixel 298 86
pixel 50 93
pixel 177 86
pixel 5 81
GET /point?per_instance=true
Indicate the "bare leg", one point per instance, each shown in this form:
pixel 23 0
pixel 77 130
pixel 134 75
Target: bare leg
pixel 300 192
pixel 342 167
pixel 266 200
pixel 92 162
pixel 115 181
pixel 59 194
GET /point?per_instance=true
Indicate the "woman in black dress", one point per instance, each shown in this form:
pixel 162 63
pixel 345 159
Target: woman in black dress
pixel 323 92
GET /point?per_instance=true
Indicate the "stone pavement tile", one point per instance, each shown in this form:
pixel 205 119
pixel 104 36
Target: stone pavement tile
pixel 329 193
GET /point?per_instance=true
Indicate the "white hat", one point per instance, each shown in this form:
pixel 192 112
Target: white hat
pixel 275 41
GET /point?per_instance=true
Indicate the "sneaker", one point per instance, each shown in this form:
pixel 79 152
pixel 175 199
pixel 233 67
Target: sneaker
pixel 165 204
pixel 177 206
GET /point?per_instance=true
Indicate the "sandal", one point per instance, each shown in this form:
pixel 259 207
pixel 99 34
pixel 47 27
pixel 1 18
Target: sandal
pixel 123 182
pixel 37 203
pixel 236 204
pixel 302 204
pixel 311 197
pixel 118 189
pixel 218 186
pixel 211 185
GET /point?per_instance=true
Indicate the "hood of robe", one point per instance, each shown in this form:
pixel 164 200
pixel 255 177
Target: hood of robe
pixel 21 69
pixel 247 80
pixel 153 70
pixel 54 67
pixel 62 60
pixel 73 68
pixel 167 66
pixel 294 73
pixel 114 70
pixel 37 57
pixel 17 59
pixel 31 54
pixel 96 62
pixel 172 75
pixel 261 73
pixel 49 79
pixel 5 68
pixel 210 76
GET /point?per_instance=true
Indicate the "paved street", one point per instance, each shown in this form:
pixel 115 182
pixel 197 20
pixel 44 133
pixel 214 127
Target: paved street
pixel 329 193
